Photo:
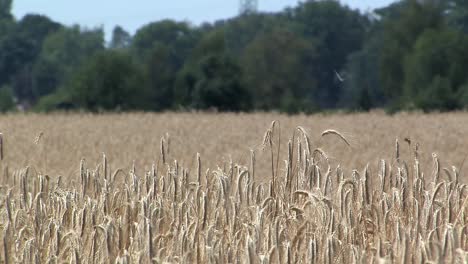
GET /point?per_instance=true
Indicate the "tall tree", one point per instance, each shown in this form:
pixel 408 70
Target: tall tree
pixel 280 67
pixel 30 34
pixel 212 78
pixel 435 73
pixel 6 18
pixel 5 9
pixel 362 87
pixel 16 51
pixel 337 31
pixel 121 39
pixel 457 11
pixel 6 99
pixel 400 36
pixel 242 30
pixel 160 71
pixel 220 85
pixel 177 35
pixel 61 54
pixel 108 81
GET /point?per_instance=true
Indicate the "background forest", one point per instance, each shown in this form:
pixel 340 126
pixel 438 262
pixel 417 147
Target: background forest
pixel 318 55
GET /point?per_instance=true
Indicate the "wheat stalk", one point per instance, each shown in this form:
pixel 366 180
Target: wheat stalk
pixel 236 214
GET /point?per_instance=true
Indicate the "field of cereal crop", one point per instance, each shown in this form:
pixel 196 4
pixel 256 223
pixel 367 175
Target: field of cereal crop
pixel 232 188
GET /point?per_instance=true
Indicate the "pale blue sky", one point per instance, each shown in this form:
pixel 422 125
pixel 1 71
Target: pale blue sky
pixel 133 14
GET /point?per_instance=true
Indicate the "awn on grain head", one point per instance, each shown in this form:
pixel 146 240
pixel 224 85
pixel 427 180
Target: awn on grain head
pixel 334 132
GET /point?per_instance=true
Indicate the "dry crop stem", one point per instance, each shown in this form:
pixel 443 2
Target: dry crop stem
pixel 406 210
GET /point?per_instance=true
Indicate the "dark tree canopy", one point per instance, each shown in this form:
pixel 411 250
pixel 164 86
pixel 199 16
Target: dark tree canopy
pixel 121 39
pixel 108 81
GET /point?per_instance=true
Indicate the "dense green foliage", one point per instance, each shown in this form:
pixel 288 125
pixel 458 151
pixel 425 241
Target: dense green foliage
pixel 414 57
pixel 316 56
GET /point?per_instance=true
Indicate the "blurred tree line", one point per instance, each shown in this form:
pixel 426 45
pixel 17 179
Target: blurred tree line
pixel 319 55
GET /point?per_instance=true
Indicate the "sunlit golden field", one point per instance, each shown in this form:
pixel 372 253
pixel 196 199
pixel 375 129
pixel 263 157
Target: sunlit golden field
pixel 125 188
pixel 66 139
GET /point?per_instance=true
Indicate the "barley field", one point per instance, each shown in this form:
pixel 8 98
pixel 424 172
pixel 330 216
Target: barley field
pixel 234 188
